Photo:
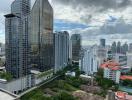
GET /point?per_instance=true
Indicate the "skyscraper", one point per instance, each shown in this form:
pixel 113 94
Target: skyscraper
pixel 119 47
pixel 16 33
pixel 76 46
pixel 61 46
pixel 130 47
pixel 102 42
pixel 41 36
pixel 113 47
pixel 124 48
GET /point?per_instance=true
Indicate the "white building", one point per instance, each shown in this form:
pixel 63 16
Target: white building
pixel 111 71
pixel 61 46
pixel 112 74
pixel 89 61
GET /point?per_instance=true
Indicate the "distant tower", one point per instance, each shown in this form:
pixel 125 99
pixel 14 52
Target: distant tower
pixel 113 47
pixel 61 46
pixel 130 47
pixel 124 49
pixel 102 42
pixel 76 46
pixel 119 47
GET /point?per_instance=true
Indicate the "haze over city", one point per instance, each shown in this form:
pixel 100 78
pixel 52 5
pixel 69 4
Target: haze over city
pixel 93 19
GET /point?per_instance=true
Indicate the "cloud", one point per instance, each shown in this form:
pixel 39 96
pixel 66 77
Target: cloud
pixel 101 4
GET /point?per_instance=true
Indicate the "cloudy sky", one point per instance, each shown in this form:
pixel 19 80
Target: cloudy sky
pixel 93 19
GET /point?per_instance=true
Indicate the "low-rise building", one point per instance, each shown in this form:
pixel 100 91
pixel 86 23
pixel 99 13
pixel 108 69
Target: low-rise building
pixel 122 96
pixel 111 71
pixel 5 95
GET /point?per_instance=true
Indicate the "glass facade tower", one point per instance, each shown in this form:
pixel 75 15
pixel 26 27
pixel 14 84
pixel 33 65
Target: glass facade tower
pixel 41 36
pixel 76 46
pixel 16 32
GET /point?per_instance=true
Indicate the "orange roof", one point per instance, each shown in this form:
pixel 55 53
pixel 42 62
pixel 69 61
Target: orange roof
pixel 125 77
pixel 120 95
pixel 111 65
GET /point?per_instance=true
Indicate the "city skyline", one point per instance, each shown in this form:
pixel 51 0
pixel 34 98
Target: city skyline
pixel 90 25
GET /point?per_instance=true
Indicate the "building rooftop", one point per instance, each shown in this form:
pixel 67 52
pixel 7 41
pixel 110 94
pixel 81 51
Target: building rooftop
pixel 4 95
pixel 122 96
pixel 111 65
pixel 125 77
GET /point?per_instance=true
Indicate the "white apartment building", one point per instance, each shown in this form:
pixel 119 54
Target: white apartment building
pixel 89 61
pixel 112 74
pixel 111 71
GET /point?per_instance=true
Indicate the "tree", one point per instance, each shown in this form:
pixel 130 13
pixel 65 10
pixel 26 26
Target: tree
pixel 63 96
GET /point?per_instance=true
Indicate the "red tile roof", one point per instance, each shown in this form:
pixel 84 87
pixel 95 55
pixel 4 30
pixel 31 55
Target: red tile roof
pixel 122 96
pixel 125 77
pixel 111 65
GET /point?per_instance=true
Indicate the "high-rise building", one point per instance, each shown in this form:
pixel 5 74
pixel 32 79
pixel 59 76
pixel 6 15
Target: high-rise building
pixel 61 46
pixel 124 48
pixel 113 47
pixel 16 33
pixel 102 42
pixel 76 46
pixel 130 47
pixel 89 61
pixel 41 36
pixel 118 47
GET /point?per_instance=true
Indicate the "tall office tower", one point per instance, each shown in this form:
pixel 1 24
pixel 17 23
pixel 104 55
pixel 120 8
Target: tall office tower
pixel 130 47
pixel 76 46
pixel 17 38
pixel 12 45
pixel 61 46
pixel 113 47
pixel 118 47
pixel 124 48
pixel 41 36
pixel 102 42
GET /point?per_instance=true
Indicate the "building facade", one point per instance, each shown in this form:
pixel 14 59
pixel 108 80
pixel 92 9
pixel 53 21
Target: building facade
pixel 76 46
pixel 102 42
pixel 89 61
pixel 61 46
pixel 16 30
pixel 41 36
pixel 111 70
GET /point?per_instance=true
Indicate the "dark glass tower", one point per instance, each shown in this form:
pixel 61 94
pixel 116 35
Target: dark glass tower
pixel 76 46
pixel 16 33
pixel 41 36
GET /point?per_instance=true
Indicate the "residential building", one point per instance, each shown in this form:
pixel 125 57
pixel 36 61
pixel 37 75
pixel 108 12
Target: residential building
pixel 111 70
pixel 89 61
pixel 76 46
pixel 41 36
pixel 61 46
pixel 16 33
